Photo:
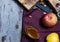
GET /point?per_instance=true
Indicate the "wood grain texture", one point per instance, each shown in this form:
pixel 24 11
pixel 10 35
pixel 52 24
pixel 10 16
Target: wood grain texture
pixel 10 21
pixel 28 4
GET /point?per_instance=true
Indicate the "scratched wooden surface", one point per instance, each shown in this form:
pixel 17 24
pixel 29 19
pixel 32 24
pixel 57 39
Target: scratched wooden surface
pixel 10 21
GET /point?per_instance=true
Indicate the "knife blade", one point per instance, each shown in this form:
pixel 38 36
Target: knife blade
pixel 44 7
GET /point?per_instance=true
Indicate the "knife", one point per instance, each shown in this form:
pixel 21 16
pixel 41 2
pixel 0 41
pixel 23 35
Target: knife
pixel 44 7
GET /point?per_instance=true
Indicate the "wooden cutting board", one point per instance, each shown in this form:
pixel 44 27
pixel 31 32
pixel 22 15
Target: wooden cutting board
pixel 28 4
pixel 54 3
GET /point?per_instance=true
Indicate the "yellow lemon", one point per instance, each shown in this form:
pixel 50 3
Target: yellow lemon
pixel 53 37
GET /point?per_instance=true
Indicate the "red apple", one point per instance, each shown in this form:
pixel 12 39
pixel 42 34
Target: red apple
pixel 49 19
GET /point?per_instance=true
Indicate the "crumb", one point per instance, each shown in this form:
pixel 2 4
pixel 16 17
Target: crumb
pixel 30 16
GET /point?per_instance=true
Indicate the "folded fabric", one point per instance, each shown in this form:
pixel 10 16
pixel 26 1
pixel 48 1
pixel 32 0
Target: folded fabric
pixel 32 18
